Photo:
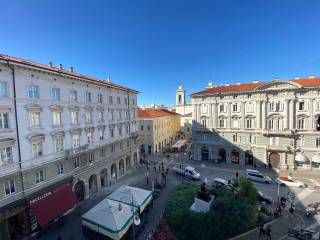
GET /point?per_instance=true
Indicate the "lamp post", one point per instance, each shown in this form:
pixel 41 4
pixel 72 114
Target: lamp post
pixel 135 221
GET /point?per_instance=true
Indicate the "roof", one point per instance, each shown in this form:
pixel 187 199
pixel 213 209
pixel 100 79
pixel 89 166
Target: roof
pixel 247 87
pixel 132 196
pixel 107 215
pixel 45 67
pixel 154 113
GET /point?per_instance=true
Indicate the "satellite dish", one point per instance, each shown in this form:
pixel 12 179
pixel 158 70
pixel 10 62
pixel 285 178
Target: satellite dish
pixel 136 220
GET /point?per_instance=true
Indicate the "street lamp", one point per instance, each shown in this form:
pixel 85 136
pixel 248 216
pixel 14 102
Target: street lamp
pixel 135 218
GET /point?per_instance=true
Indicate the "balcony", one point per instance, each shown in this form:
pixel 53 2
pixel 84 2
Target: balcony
pixel 75 151
pixel 134 134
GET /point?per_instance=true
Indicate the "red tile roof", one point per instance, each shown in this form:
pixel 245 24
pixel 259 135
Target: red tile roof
pixel 154 113
pixel 247 87
pixel 60 71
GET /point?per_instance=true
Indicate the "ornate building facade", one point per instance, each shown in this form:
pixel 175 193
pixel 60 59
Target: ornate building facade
pixel 273 123
pixel 60 131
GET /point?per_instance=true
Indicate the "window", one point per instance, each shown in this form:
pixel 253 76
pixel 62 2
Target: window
pixel 271 123
pixel 278 106
pixel 318 142
pixel 33 91
pixel 133 101
pixel 34 118
pixel 6 155
pixel 56 118
pixel 39 176
pixel 221 123
pixel 111 132
pixel 204 122
pixel 149 128
pixel 101 134
pixel 4 120
pixel 249 107
pixel 252 139
pixel 100 98
pixel 55 94
pixel 221 108
pixel 37 150
pixel 112 148
pixel 110 100
pixel 120 131
pixel 9 187
pixel 249 123
pixel 60 168
pixel 88 97
pixel 141 127
pixel 235 123
pixel 235 107
pixel 3 89
pixel 88 117
pixel 119 115
pixel 301 106
pixel 111 115
pixel 118 100
pixel 74 117
pixel 75 140
pixel 301 123
pixel 90 136
pixel 77 162
pixel 127 129
pixel 102 152
pixel 73 95
pixel 125 101
pixel 235 138
pixel 58 144
pixel 91 157
pixel 100 116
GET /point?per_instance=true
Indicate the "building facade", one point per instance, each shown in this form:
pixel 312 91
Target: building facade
pixel 157 129
pixel 59 129
pixel 273 123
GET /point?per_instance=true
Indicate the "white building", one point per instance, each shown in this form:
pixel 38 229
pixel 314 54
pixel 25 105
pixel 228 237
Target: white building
pixel 259 123
pixel 59 128
pixel 185 110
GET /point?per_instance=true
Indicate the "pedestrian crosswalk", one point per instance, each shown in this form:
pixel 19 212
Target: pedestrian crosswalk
pixel 305 193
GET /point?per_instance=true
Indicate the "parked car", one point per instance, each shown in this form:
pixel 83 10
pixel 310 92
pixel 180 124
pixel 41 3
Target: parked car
pixel 290 182
pixel 187 170
pixel 255 175
pixel 264 198
pixel 313 209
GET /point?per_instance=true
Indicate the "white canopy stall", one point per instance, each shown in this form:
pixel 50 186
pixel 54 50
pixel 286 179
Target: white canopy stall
pixel 137 197
pixel 179 144
pixel 109 218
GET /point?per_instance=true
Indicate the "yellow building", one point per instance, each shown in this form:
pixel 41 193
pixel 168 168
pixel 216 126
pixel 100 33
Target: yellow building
pixel 157 129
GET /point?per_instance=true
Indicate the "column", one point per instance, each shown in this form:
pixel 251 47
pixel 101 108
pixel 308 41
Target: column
pixel 194 112
pixel 311 110
pixel 210 116
pixel 286 114
pixel 291 114
pixel 264 112
pixel 243 119
pixel 258 114
pixel 229 116
pixel 214 115
pixel 199 113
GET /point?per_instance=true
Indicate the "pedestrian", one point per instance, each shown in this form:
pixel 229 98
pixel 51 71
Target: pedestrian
pixel 268 232
pixel 237 175
pixel 159 168
pixel 264 230
pixel 261 230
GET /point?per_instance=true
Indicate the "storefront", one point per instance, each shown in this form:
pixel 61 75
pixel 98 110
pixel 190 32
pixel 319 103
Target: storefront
pixel 51 204
pixel 14 220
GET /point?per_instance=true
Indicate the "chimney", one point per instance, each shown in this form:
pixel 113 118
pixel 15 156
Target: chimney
pixel 71 69
pixel 109 80
pixel 60 66
pixel 50 64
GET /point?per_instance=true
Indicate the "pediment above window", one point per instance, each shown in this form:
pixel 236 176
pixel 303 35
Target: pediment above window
pixel 74 107
pixel 34 107
pixel 278 85
pixel 57 133
pixel 75 130
pixel 7 141
pixel 56 107
pixel 36 136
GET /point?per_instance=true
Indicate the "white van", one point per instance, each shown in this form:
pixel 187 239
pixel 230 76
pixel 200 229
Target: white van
pixel 255 175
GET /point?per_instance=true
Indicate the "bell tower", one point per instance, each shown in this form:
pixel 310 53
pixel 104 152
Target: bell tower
pixel 180 96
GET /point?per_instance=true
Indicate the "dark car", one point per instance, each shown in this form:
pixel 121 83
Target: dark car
pixel 313 209
pixel 264 198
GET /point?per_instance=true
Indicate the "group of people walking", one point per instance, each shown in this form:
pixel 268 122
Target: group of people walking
pixel 265 231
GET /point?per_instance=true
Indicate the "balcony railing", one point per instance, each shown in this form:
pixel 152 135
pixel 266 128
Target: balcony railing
pixel 77 150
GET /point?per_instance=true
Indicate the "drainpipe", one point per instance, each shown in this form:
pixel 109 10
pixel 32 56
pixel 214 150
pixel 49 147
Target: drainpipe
pixel 17 126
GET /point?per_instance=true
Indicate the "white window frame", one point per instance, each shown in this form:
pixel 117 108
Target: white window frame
pixel 73 95
pixel 38 151
pixel 101 134
pixel 55 94
pixel 35 119
pixel 4 120
pixel 75 139
pixel 9 187
pixel 58 144
pixel 88 115
pixel 74 115
pixel 6 155
pixel 77 162
pixel 60 168
pixel 3 89
pixel 33 91
pixel 90 137
pixel 56 118
pixel 40 177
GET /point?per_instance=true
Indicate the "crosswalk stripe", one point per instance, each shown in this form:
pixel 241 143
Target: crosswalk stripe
pixel 305 193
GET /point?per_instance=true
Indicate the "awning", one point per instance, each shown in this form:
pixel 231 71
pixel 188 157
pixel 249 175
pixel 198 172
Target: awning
pixel 53 203
pixel 316 158
pixel 300 158
pixel 179 144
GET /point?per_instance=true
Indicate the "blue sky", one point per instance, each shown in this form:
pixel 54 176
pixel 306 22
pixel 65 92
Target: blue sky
pixel 155 46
